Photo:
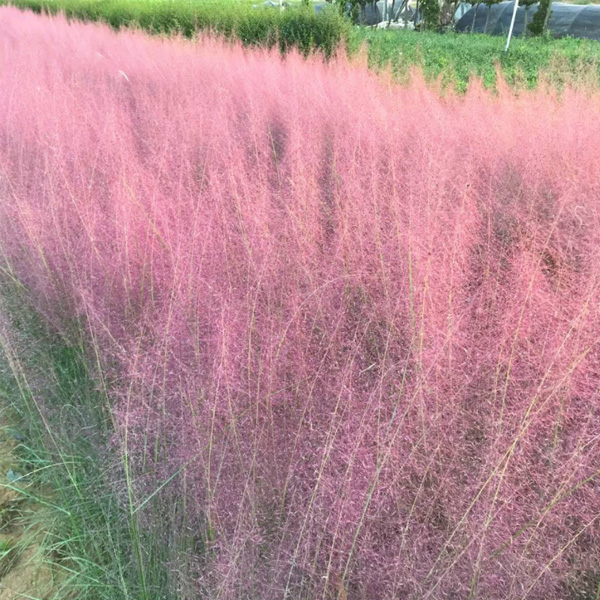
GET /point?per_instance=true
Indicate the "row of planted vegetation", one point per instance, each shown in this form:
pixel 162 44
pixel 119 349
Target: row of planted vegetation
pixel 326 352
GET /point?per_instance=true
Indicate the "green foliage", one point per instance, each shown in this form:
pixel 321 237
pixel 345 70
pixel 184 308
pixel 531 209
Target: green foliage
pixel 455 58
pixel 8 551
pixel 540 18
pixel 431 13
pixel 296 27
pixel 341 5
pixel 306 30
pixel 356 9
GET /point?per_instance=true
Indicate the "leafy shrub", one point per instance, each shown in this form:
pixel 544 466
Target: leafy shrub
pixel 431 13
pixel 361 344
pixel 540 18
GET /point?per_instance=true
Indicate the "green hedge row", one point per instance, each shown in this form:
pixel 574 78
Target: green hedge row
pixel 298 27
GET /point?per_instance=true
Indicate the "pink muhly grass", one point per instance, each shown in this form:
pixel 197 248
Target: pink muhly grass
pixel 361 319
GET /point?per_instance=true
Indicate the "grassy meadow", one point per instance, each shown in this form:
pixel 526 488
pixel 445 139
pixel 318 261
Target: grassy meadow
pixel 277 326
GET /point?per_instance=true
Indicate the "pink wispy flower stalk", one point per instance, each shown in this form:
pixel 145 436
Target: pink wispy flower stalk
pixel 364 317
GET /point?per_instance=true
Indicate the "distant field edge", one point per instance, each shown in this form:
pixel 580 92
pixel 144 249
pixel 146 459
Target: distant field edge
pixel 450 60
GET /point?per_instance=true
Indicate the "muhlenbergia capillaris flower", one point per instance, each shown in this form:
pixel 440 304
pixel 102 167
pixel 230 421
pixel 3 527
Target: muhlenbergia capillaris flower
pixel 353 326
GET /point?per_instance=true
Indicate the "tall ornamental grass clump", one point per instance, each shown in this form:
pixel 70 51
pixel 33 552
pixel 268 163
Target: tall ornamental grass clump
pixel 358 351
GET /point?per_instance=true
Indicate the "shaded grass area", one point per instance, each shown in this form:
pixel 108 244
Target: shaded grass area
pixel 59 413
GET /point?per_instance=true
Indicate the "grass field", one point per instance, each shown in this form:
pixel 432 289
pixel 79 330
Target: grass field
pixel 265 345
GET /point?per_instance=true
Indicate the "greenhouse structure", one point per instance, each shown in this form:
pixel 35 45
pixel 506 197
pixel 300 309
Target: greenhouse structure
pixel 580 21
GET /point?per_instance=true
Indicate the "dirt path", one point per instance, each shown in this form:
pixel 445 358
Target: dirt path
pixel 24 572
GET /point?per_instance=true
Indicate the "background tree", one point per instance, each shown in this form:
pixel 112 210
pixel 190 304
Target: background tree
pixel 527 4
pixel 447 11
pixel 430 10
pixel 539 23
pixel 354 8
